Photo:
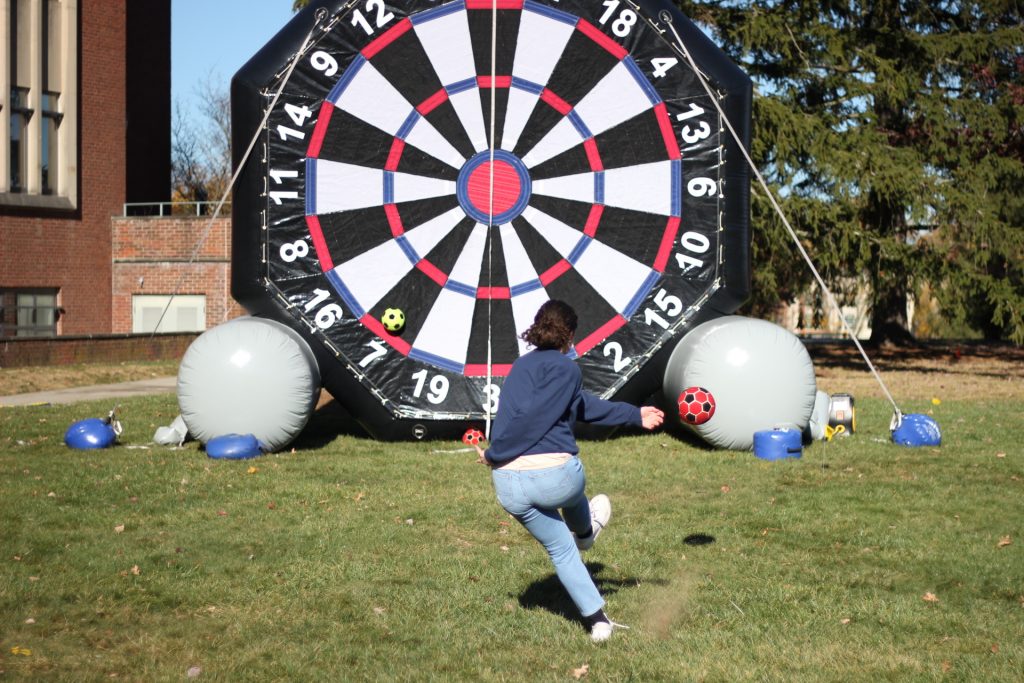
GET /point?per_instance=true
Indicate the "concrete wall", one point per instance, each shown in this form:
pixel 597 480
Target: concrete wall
pixel 22 352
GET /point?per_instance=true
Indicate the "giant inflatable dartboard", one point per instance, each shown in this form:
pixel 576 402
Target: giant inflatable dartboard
pixel 465 162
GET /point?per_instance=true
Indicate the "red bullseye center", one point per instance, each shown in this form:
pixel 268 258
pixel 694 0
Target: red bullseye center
pixel 507 187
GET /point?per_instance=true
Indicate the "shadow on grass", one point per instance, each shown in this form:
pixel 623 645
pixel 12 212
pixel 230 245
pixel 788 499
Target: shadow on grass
pixel 329 421
pixel 549 594
pixel 965 357
pixel 699 539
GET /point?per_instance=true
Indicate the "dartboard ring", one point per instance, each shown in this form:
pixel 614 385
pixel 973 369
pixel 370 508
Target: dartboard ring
pixel 419 161
pixel 621 101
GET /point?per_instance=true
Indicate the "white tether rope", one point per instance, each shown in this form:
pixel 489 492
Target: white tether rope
pixel 490 216
pixel 667 18
pixel 321 14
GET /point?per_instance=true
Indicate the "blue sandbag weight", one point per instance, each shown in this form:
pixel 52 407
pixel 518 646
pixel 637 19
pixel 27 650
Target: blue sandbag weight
pixel 234 447
pixel 776 444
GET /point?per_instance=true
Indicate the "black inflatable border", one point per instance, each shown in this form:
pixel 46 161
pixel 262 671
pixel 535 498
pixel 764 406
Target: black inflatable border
pixel 246 278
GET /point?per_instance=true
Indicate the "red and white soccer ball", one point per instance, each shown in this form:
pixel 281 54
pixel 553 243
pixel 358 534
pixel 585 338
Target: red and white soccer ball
pixel 473 437
pixel 696 405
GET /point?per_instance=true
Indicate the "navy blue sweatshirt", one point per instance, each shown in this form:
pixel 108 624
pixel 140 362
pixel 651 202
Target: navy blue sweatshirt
pixel 541 399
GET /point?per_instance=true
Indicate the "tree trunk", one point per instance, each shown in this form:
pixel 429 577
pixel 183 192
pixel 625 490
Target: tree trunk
pixel 889 324
pixel 889 275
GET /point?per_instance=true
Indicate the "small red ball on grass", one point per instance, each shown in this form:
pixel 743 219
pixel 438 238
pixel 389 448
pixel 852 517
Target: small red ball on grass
pixel 473 437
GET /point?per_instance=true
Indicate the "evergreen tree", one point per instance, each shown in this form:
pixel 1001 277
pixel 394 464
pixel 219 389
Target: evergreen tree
pixel 894 132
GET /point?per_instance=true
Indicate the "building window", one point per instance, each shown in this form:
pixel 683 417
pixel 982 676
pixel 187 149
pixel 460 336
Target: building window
pixel 21 114
pixel 29 312
pixel 186 313
pixel 38 104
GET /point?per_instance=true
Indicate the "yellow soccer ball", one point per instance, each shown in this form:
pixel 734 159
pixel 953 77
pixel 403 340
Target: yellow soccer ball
pixel 393 320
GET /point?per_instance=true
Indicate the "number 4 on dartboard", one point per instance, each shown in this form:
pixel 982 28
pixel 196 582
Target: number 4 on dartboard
pixel 662 65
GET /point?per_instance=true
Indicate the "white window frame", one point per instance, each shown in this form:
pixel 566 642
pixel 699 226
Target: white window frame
pixel 147 308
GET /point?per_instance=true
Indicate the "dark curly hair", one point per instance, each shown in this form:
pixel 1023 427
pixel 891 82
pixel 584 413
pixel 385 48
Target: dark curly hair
pixel 553 327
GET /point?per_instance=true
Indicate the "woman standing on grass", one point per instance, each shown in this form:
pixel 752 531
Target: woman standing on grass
pixel 533 454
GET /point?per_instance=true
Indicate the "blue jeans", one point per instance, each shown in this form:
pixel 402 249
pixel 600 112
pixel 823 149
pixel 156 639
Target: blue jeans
pixel 533 497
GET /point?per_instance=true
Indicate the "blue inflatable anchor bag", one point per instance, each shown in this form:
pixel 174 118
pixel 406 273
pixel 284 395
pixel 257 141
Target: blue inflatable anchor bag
pixel 915 430
pixel 234 447
pixel 92 432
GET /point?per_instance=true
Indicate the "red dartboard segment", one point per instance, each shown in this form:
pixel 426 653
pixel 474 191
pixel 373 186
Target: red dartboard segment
pixel 392 183
pixel 433 272
pixel 667 133
pixel 394 220
pixel 485 81
pixel 316 233
pixel 555 102
pixel 322 122
pixel 494 4
pixel 593 155
pixel 593 220
pixel 371 50
pixel 601 39
pixel 433 102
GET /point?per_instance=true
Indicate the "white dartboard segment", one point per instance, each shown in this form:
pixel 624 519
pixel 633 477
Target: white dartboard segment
pixel 579 187
pixel 526 291
pixel 368 96
pixel 647 188
pixel 446 41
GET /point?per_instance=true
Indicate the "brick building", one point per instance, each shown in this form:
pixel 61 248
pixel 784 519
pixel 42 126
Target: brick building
pixel 153 256
pixel 85 121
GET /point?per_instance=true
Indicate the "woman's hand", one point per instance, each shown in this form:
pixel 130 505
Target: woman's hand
pixel 481 460
pixel 651 417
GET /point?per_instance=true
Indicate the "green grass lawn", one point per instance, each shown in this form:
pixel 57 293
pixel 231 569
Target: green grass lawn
pixel 350 559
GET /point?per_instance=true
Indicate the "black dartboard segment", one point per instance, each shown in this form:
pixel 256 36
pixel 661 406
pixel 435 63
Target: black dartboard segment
pixel 467 161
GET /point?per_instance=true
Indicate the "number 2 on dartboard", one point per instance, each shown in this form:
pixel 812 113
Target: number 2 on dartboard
pixel 619 361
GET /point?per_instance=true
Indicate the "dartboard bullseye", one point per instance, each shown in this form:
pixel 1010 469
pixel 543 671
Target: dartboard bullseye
pixel 464 162
pixel 494 188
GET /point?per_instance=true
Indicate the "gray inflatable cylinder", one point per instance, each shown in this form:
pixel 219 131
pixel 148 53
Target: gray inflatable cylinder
pixel 760 375
pixel 248 376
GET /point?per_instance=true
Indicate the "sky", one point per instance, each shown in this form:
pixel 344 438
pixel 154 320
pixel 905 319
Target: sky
pixel 214 38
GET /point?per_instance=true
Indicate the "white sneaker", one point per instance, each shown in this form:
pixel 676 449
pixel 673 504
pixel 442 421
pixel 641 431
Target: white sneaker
pixel 601 631
pixel 600 514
